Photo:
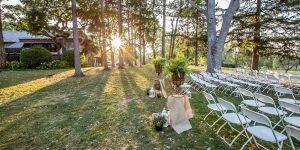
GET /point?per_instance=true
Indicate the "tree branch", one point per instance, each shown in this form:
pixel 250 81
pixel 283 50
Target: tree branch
pixel 201 10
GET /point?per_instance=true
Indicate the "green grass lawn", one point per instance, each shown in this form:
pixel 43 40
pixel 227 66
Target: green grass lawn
pixel 104 109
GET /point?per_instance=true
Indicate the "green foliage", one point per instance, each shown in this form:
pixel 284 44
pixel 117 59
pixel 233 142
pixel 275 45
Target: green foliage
pixel 159 61
pixel 203 60
pixel 12 65
pixel 85 64
pixel 68 56
pixel 158 120
pixel 55 64
pixel 178 65
pixel 229 65
pixel 34 56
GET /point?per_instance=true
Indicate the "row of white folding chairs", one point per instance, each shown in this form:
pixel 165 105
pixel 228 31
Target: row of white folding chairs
pixel 277 79
pixel 199 84
pixel 235 79
pixel 244 119
pixel 272 79
pixel 223 85
pixel 267 81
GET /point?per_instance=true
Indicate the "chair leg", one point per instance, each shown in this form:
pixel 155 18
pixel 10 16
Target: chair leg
pixel 236 137
pixel 208 114
pixel 246 142
pixel 280 145
pixel 291 142
pixel 221 128
pixel 255 142
pixel 216 121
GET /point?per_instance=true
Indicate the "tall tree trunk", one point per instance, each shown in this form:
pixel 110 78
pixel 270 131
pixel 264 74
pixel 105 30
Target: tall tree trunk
pixel 256 44
pixel 2 50
pixel 227 17
pixel 112 55
pixel 129 38
pixel 163 50
pixel 153 47
pixel 196 42
pixel 216 45
pixel 140 48
pixel 132 42
pixel 154 30
pixel 121 60
pixel 134 47
pixel 104 53
pixel 78 72
pixel 173 39
pixel 211 34
pixel 144 49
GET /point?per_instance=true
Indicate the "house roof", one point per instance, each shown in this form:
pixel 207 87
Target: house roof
pixel 14 36
pixel 16 45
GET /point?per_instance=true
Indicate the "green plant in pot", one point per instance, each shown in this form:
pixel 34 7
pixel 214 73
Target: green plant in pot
pixel 158 121
pixel 177 68
pixel 159 63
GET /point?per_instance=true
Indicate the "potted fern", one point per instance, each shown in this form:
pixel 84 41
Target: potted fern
pixel 177 68
pixel 158 121
pixel 159 63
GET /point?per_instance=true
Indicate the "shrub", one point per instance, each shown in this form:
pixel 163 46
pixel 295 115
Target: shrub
pixel 34 56
pixel 85 64
pixel 229 65
pixel 68 56
pixel 55 64
pixel 12 65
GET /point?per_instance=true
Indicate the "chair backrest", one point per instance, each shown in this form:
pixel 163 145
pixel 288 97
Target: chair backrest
pixel 290 107
pixel 283 90
pixel 295 79
pixel 246 92
pixel 293 132
pixel 272 78
pixel 264 98
pixel 210 99
pixel 257 117
pixel 283 78
pixel 227 105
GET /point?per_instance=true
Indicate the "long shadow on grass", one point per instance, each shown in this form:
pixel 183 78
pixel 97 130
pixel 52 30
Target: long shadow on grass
pixel 58 116
pixel 136 110
pixel 23 76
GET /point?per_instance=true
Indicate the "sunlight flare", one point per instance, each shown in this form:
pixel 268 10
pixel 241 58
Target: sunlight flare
pixel 116 42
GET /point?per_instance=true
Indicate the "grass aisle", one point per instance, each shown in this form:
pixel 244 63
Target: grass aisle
pixel 104 109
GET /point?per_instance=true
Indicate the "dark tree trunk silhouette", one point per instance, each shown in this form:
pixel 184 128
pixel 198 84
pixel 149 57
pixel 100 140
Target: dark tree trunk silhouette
pixel 2 50
pixel 78 72
pixel 255 55
pixel 163 50
pixel 121 60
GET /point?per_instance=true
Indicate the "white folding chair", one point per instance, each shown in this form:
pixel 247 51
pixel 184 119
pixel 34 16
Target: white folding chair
pixel 273 110
pixel 286 91
pixel 293 109
pixel 295 83
pixel 232 117
pixel 214 107
pixel 292 132
pixel 273 82
pixel 263 131
pixel 250 102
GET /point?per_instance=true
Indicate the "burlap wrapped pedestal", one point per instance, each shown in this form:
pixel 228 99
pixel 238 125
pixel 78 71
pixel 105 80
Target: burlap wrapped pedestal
pixel 180 112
